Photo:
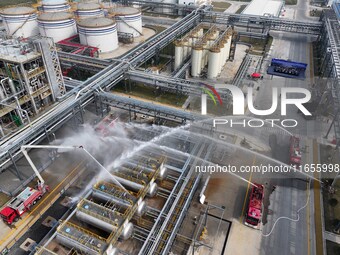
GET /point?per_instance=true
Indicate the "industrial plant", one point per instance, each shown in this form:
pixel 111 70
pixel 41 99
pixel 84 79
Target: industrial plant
pixel 169 127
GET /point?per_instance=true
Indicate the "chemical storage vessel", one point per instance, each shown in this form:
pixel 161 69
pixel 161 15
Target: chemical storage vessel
pixel 20 21
pixel 98 32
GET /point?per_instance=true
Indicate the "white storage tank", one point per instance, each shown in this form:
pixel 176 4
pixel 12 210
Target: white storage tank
pixel 178 54
pixel 88 10
pixel 214 65
pixel 98 32
pixel 196 60
pixel 20 21
pixel 129 20
pixel 54 6
pixel 170 9
pixel 59 25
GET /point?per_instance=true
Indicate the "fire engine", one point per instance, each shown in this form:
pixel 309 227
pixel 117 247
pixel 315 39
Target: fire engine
pixel 294 151
pixel 22 203
pixel 105 126
pixel 254 212
pixel 26 199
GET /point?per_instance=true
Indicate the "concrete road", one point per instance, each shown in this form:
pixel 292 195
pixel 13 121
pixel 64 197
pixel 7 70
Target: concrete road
pixel 300 11
pixel 287 236
pixel 296 48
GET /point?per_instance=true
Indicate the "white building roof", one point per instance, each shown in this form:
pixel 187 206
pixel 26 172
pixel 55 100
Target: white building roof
pixel 264 7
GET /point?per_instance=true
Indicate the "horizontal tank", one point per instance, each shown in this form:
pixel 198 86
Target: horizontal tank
pixel 59 25
pixel 162 174
pixel 98 32
pixel 68 242
pixel 106 192
pixel 54 6
pixel 101 224
pixel 20 21
pixel 104 218
pixel 129 20
pixel 72 236
pixel 135 184
pixel 88 10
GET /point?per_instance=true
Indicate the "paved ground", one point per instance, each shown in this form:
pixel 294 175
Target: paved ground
pixel 235 5
pixel 288 237
pixel 55 175
pixel 38 231
pixel 123 48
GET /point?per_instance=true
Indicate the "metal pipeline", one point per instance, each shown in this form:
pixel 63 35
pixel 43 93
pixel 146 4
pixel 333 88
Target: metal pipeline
pixel 11 97
pixel 2 85
pixel 15 108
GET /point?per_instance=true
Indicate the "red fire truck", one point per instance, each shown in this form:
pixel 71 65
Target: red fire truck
pixel 22 203
pixel 254 213
pixel 105 126
pixel 294 151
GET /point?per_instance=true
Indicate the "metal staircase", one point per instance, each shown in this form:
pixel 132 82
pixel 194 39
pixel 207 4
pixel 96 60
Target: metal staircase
pixel 54 73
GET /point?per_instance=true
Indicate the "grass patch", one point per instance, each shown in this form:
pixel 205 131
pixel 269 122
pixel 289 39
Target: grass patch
pixel 13 2
pixel 291 2
pixel 151 14
pixel 258 45
pixel 220 6
pixel 158 29
pixel 240 10
pixel 152 94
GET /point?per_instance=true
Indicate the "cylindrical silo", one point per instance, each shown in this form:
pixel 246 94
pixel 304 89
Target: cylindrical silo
pixel 189 46
pixel 98 32
pixel 185 48
pixel 225 51
pixel 228 45
pixel 222 52
pixel 204 54
pixel 168 9
pixel 196 61
pixel 59 25
pixel 200 31
pixel 214 63
pixel 178 54
pixel 88 10
pixel 54 6
pixel 20 21
pixel 129 20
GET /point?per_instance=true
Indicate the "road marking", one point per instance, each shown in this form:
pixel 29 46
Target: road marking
pixel 245 198
pixel 317 207
pixel 311 63
pixel 36 207
pixel 308 221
